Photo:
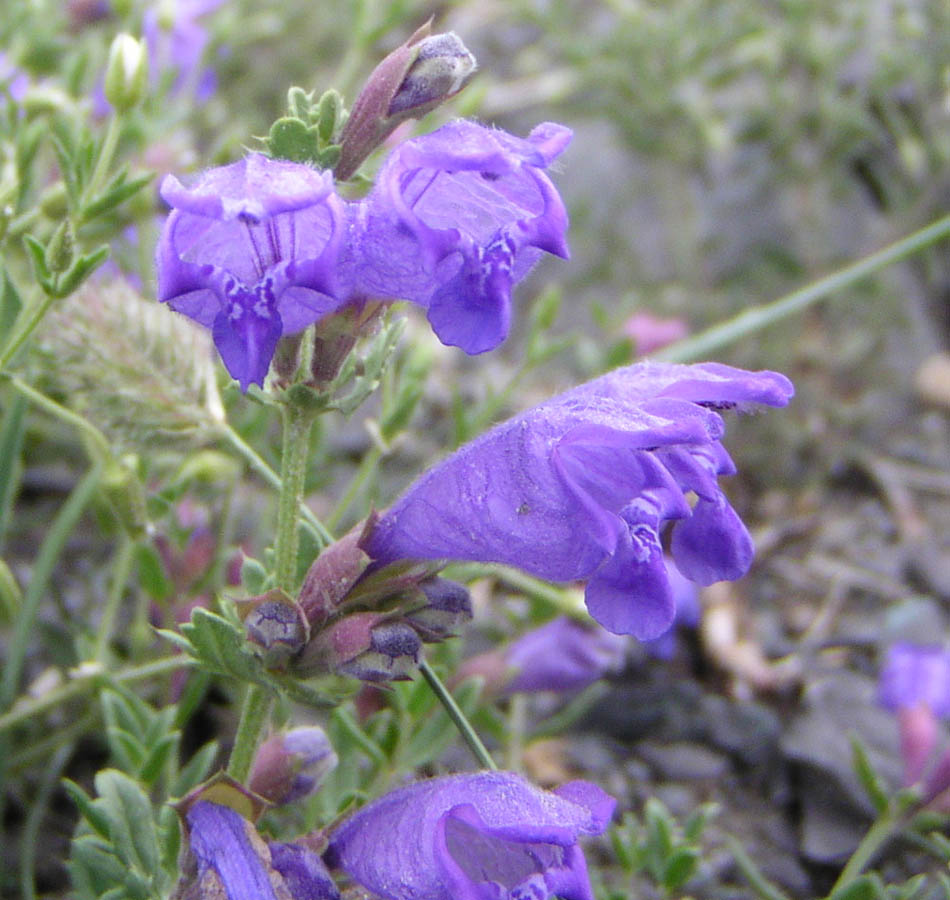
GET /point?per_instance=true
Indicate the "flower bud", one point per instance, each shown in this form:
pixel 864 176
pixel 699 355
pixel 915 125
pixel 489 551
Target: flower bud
pixel 412 81
pixel 331 576
pixel 126 72
pixel 441 67
pixel 276 625
pixel 367 646
pixel 292 765
pixel 448 606
pixel 61 249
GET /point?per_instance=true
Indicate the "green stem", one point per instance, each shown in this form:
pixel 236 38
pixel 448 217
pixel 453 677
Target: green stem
pixel 106 153
pixel 297 425
pixel 319 531
pixel 86 680
pixel 47 404
pixel 878 835
pixel 255 710
pixel 757 881
pixel 710 341
pixel 254 715
pixel 122 566
pixel 458 717
pixel 36 311
pixel 49 553
pixel 34 821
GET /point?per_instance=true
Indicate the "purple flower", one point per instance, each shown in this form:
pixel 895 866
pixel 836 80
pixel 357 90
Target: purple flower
pixel 14 82
pixel 581 486
pixel 687 612
pixel 176 42
pixel 915 675
pixel 231 861
pixel 563 655
pixel 457 217
pixel 250 252
pixel 473 837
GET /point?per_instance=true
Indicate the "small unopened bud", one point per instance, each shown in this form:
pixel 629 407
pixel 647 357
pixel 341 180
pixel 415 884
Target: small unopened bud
pixel 335 336
pixel 126 72
pixel 440 70
pixel 276 625
pixel 365 646
pixel 292 765
pixel 126 495
pixel 61 249
pixel 411 81
pixel 448 606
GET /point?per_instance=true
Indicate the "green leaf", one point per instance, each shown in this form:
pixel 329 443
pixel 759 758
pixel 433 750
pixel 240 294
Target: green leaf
pixel 125 712
pixel 98 821
pixel 875 786
pixel 329 108
pixel 152 576
pixel 694 826
pixel 222 647
pixel 10 304
pixel 301 692
pixel 126 749
pixel 11 597
pixel 117 192
pixel 291 138
pixel 867 887
pixel 299 102
pixel 195 771
pixel 94 869
pixel 13 428
pixel 157 757
pixel 132 826
pixel 37 253
pixel 80 270
pixel 659 836
pixel 679 868
pixel 169 837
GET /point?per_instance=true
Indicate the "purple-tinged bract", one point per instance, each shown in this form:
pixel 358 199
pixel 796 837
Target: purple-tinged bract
pixel 915 675
pixel 581 486
pixel 250 251
pixel 457 218
pixel 471 837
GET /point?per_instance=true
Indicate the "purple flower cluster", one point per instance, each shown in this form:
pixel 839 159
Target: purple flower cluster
pixel 582 486
pixel 262 248
pixel 474 836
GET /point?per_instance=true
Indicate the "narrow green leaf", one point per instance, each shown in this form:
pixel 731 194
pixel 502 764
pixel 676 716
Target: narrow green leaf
pixel 131 821
pixel 10 304
pixel 125 711
pixel 80 270
pixel 875 786
pixel 126 749
pixel 694 826
pixel 11 597
pixel 195 771
pixel 157 757
pixel 152 576
pixel 118 191
pixel 866 887
pixel 94 868
pixel 98 821
pixel 37 254
pixel 680 866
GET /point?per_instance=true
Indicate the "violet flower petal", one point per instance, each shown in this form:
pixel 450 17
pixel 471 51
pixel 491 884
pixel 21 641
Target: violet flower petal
pixel 562 655
pixel 915 674
pixel 582 486
pixel 250 251
pixel 458 217
pixel 470 837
